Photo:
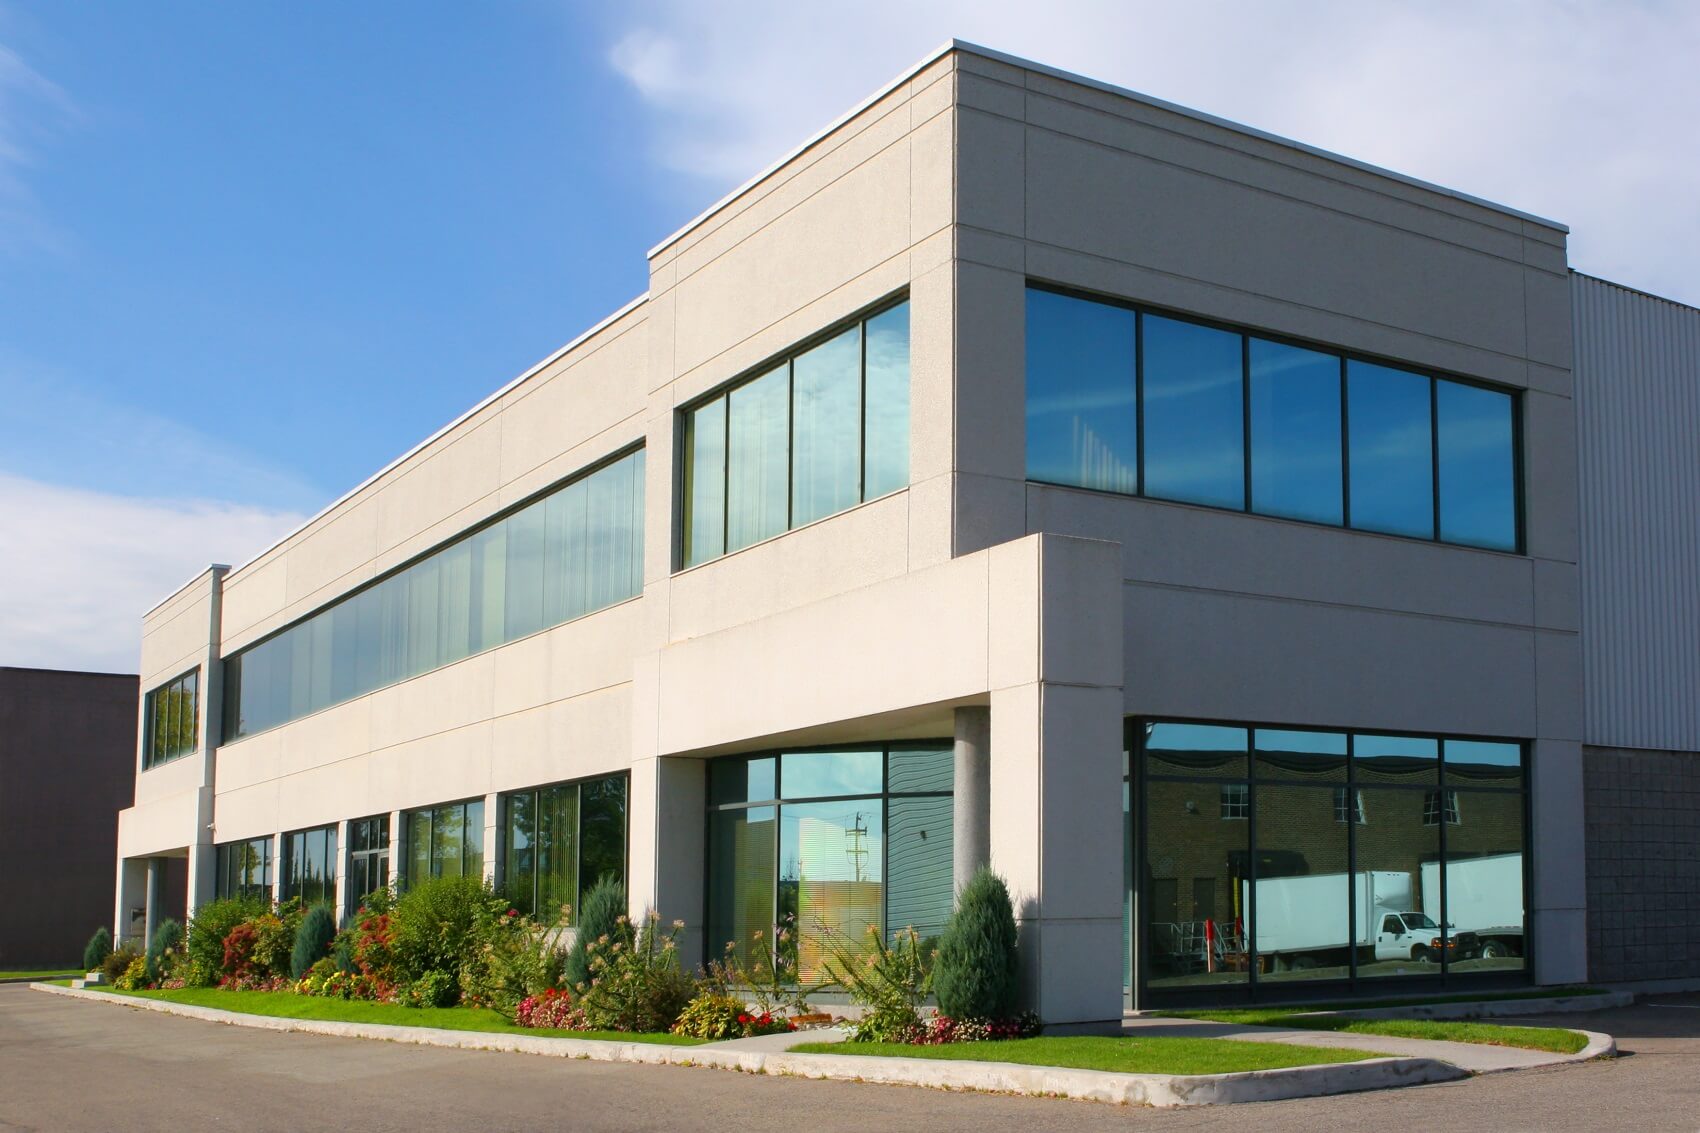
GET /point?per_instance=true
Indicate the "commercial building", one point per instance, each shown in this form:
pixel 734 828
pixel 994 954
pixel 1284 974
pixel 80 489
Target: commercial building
pixel 1182 520
pixel 67 741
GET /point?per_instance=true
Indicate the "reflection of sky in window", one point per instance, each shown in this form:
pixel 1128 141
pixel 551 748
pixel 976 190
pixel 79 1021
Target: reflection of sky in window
pixel 1295 432
pixel 1477 474
pixel 817 774
pixel 1081 416
pixel 820 841
pixel 1485 761
pixel 1391 450
pixel 1194 413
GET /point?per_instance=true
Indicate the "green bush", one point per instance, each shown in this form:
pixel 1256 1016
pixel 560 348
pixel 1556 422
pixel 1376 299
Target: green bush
pixel 97 949
pixel 209 926
pixel 890 982
pixel 433 989
pixel 513 957
pixel 167 937
pixel 434 926
pixel 342 951
pixel 635 981
pixel 118 962
pixel 601 915
pixel 978 971
pixel 312 939
pixel 712 1016
pixel 134 976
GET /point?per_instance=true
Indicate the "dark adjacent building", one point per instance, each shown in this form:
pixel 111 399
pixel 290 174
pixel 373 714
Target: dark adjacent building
pixel 67 767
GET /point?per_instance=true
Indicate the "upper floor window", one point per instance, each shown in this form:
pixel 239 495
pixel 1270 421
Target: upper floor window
pixel 1125 400
pixel 810 436
pixel 171 719
pixel 574 550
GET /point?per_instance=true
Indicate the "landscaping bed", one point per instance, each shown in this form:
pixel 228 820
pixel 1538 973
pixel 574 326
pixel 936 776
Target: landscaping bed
pixel 289 1005
pixel 1554 1039
pixel 1156 1055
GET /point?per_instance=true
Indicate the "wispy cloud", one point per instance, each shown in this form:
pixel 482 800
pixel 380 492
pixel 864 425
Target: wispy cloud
pixel 1581 112
pixel 31 109
pixel 80 567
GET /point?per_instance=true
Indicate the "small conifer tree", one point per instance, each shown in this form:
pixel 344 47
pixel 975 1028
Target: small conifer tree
pixel 312 939
pixel 166 936
pixel 598 915
pixel 97 949
pixel 977 974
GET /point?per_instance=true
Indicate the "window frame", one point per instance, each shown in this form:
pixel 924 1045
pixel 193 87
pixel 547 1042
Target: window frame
pixel 504 841
pixel 402 877
pixel 351 900
pixel 288 880
pixel 149 731
pixel 765 367
pixel 1433 375
pixel 1256 989
pixel 230 696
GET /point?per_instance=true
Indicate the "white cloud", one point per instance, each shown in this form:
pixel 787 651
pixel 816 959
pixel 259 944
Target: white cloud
pixel 31 108
pixel 79 568
pixel 1583 112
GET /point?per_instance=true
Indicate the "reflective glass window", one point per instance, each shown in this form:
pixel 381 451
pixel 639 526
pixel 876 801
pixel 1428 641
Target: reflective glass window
pixel 1390 450
pixel 1478 474
pixel 826 427
pixel 1485 910
pixel 577 549
pixel 818 774
pixel 1484 763
pixel 1205 750
pixel 811 436
pixel 757 481
pixel 886 412
pixel 1403 760
pixel 1300 922
pixel 705 482
pixel 1317 757
pixel 1081 412
pixel 171 718
pixel 559 841
pixel 368 858
pixel 1194 405
pixel 1295 432
pixel 1195 887
pixel 445 841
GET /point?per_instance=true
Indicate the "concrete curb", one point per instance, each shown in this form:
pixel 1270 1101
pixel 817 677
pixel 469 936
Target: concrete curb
pixel 998 1077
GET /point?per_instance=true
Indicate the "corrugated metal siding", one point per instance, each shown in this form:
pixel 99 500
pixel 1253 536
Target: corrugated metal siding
pixel 1638 413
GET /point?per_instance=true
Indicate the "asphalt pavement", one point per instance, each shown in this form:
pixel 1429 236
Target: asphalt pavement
pixel 71 1065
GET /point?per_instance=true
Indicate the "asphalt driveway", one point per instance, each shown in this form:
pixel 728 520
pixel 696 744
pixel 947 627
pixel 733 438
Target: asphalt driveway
pixel 71 1065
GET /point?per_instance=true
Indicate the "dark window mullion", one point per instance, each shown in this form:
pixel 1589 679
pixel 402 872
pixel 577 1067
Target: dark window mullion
pixel 1139 400
pixel 1245 417
pixel 1434 453
pixel 1345 453
pixel 862 428
pixel 790 442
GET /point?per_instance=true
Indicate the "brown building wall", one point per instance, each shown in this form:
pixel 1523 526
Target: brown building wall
pixel 67 766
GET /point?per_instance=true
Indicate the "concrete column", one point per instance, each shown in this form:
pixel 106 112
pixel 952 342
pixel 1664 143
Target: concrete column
pixel 339 892
pixel 154 902
pixel 278 846
pixel 666 816
pixel 971 815
pixel 492 835
pixel 130 908
pixel 398 847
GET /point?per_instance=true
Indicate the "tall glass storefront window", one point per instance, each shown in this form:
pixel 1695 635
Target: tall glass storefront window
pixel 368 858
pixel 558 841
pixel 826 846
pixel 244 869
pixel 1122 399
pixel 1334 870
pixel 444 841
pixel 572 551
pixel 309 866
pixel 807 438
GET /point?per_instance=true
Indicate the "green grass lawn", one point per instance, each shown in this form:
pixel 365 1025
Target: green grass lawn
pixel 1493 1034
pixel 41 974
pixel 288 1005
pixel 1155 1055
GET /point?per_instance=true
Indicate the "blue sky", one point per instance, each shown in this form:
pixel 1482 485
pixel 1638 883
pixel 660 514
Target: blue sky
pixel 251 252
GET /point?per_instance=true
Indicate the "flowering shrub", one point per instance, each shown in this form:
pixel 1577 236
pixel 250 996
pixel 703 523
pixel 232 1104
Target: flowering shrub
pixel 337 984
pixel 239 952
pixel 513 957
pixel 134 976
pixel 941 1029
pixel 372 953
pixel 770 978
pixel 550 1009
pixel 890 981
pixel 433 989
pixel 253 982
pixel 636 983
pixel 208 928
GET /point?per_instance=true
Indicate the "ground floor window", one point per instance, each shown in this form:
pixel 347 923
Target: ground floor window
pixel 558 841
pixel 368 857
pixel 244 869
pixel 824 845
pixel 445 841
pixel 309 865
pixel 1353 856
